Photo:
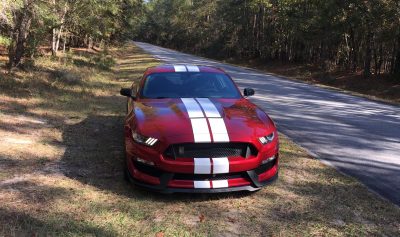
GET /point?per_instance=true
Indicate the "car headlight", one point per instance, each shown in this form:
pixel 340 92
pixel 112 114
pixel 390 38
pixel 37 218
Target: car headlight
pixel 148 141
pixel 267 139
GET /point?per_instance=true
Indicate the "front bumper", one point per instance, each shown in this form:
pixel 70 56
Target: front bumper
pixel 163 189
pixel 165 182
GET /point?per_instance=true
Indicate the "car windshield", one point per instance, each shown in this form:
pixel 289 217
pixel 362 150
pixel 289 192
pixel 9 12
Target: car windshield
pixel 189 85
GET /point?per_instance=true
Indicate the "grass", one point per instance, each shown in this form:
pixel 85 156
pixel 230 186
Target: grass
pixel 383 88
pixel 5 40
pixel 61 156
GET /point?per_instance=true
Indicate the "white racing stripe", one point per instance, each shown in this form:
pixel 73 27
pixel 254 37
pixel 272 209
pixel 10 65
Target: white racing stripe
pixel 202 166
pixel 200 129
pixel 201 184
pixel 192 68
pixel 220 165
pixel 209 108
pixel 180 68
pixel 218 129
pixel 220 183
pixel 193 108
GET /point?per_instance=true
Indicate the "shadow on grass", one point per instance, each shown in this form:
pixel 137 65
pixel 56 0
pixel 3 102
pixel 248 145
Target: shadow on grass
pixel 24 222
pixel 83 63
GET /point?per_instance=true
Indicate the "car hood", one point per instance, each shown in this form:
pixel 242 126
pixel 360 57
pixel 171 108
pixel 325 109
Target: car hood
pixel 169 119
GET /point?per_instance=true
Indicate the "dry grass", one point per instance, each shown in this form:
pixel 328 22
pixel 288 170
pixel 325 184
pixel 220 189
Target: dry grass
pixel 61 155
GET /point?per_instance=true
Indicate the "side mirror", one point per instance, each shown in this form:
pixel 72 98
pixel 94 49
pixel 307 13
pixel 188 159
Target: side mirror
pixel 127 92
pixel 248 92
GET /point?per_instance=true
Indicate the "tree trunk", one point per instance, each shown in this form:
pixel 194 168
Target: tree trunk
pixel 90 42
pixel 354 50
pixel 64 42
pixel 368 56
pixel 397 61
pixel 21 31
pixel 54 42
pixel 11 50
pixel 58 32
pixel 54 36
pixel 380 59
pixel 58 38
pixel 376 60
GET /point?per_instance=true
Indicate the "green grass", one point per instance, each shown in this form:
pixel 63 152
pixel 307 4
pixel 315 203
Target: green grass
pixel 4 41
pixel 61 169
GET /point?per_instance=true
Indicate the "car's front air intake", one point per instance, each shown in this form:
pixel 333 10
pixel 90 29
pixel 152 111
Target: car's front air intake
pixel 210 150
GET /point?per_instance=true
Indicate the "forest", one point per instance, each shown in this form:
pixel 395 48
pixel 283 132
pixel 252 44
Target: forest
pixel 351 35
pixel 28 27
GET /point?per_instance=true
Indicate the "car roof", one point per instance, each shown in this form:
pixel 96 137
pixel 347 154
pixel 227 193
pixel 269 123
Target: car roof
pixel 182 68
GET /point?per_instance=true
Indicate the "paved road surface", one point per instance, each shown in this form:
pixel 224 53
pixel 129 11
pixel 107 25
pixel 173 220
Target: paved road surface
pixel 358 136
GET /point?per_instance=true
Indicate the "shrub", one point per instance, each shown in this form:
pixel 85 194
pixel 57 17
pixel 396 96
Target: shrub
pixel 5 41
pixel 104 61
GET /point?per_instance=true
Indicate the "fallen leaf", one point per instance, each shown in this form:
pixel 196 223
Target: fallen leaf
pixel 160 234
pixel 201 217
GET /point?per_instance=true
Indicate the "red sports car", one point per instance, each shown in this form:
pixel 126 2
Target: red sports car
pixel 189 129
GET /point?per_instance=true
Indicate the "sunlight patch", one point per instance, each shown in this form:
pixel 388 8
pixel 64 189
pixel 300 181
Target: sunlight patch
pixel 17 140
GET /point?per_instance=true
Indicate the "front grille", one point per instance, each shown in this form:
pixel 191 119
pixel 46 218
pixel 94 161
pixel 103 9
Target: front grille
pixel 180 176
pixel 210 150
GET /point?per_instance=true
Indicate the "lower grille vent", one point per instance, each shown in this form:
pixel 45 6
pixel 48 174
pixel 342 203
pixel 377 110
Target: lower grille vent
pixel 210 176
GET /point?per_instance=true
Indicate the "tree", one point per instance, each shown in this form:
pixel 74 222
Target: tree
pixel 17 15
pixel 31 23
pixel 350 34
pixel 60 9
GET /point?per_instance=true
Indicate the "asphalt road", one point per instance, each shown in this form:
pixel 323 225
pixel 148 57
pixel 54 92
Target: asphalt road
pixel 358 136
